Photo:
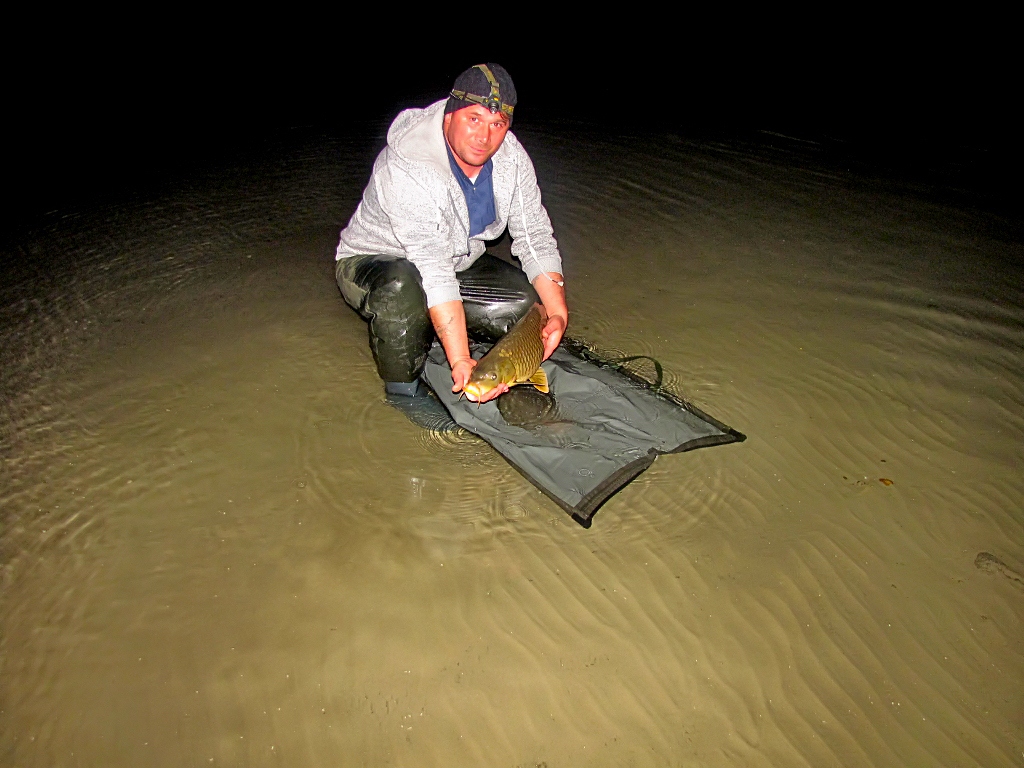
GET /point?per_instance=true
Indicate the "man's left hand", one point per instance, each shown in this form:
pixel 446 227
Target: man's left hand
pixel 552 334
pixel 549 286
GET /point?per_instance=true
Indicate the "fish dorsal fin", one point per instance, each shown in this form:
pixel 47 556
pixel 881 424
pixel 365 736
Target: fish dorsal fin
pixel 539 380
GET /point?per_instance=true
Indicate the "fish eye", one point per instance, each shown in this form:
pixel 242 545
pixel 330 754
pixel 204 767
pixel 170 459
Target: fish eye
pixel 492 375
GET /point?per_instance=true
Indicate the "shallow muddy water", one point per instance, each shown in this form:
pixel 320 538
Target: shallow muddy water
pixel 220 545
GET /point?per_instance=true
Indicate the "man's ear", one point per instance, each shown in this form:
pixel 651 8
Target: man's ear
pixel 447 121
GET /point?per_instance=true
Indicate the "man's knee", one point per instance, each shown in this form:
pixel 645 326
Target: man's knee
pixel 399 277
pixel 491 321
pixel 395 291
pixel 495 295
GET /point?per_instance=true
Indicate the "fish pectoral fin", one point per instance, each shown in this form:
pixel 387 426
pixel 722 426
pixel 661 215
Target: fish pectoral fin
pixel 539 380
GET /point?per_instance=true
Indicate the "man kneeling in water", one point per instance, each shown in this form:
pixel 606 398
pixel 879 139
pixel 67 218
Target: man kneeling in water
pixel 412 259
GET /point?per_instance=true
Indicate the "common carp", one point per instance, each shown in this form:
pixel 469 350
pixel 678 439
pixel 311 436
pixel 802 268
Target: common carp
pixel 514 359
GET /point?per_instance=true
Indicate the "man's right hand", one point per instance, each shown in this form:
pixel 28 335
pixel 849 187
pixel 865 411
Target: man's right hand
pixel 461 372
pixel 449 321
pixel 462 369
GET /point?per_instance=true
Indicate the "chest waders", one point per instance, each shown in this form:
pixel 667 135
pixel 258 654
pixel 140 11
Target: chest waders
pixel 388 292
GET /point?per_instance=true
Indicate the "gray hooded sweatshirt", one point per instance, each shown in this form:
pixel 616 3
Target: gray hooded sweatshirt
pixel 414 208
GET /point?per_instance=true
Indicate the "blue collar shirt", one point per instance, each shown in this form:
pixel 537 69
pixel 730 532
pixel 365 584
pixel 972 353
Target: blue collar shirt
pixel 479 194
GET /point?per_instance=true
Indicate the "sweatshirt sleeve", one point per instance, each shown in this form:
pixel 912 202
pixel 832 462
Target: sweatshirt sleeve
pixel 415 214
pixel 533 241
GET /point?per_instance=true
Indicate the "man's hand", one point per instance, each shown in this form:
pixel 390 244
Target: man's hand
pixel 552 333
pixel 462 369
pixel 449 321
pixel 552 296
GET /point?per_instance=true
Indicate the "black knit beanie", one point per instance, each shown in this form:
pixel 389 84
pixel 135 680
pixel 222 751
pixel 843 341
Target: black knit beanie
pixel 475 87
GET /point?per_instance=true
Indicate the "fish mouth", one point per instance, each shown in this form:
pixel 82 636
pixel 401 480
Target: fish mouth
pixel 473 392
pixel 476 390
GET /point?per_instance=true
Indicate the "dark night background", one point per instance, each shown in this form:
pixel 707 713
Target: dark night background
pixel 94 115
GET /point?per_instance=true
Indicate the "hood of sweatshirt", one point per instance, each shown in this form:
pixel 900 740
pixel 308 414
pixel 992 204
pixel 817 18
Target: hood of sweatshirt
pixel 417 135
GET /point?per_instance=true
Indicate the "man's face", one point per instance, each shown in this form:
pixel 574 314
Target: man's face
pixel 474 133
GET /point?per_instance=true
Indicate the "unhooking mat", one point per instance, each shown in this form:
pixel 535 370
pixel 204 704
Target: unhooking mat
pixel 601 427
